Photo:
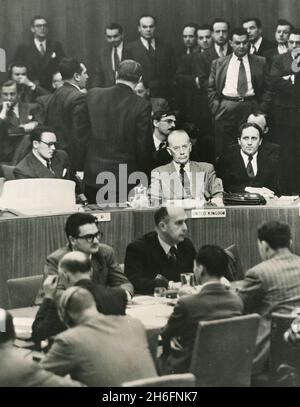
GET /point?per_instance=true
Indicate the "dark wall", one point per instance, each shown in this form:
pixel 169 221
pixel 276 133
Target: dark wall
pixel 79 24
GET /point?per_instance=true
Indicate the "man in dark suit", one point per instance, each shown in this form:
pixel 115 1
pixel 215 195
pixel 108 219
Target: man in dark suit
pixel 164 121
pixel 41 55
pixel 214 301
pixel 120 134
pixel 246 165
pixel 258 44
pixel 76 268
pixel 110 57
pixel 17 119
pixel 282 32
pixel 272 285
pixel 285 84
pixel 159 257
pixel 142 89
pixel 66 110
pixel 189 37
pixel 237 87
pixel 157 59
pixel 44 161
pixel 28 91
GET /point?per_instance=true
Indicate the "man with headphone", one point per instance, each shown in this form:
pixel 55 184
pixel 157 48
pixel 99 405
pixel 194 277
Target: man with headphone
pixel 100 350
pixel 75 269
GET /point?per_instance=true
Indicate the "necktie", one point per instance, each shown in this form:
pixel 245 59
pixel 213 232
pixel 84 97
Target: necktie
pixel 221 52
pixel 150 49
pixel 162 146
pixel 185 182
pixel 116 59
pixel 242 85
pixel 249 167
pixel 42 49
pixel 50 167
pixel 173 255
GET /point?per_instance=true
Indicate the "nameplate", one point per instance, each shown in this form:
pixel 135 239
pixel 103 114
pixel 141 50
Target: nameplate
pixel 103 217
pixel 208 213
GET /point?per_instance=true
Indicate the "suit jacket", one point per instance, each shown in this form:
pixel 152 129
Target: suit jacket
pixel 214 301
pixel 231 169
pixel 103 351
pixel 145 259
pixel 217 78
pixel 203 184
pixel 19 371
pixel 40 68
pixel 109 301
pixel 106 270
pixel 271 286
pixel 265 45
pixel 66 114
pixel 29 95
pixel 11 134
pixel 105 76
pixel 31 167
pixel 120 132
pixel 159 72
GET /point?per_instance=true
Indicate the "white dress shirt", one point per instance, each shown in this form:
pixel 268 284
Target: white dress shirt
pixel 38 45
pixel 253 162
pixel 44 162
pixel 217 48
pixel 146 43
pixel 256 45
pixel 119 52
pixel 166 247
pixel 157 142
pixel 231 82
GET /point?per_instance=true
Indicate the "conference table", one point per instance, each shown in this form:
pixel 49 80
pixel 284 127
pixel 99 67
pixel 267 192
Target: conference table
pixel 27 240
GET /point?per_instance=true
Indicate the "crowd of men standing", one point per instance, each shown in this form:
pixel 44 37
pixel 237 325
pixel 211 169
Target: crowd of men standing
pixel 216 80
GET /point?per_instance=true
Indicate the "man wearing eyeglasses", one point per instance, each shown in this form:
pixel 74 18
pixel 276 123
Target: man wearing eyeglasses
pixel 83 235
pixel 41 55
pixel 44 161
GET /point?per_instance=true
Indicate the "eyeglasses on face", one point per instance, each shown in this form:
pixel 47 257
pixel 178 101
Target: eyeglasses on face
pixel 91 237
pixel 40 25
pixel 49 145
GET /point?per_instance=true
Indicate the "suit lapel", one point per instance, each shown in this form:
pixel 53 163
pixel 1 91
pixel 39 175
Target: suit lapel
pixel 39 169
pixel 221 75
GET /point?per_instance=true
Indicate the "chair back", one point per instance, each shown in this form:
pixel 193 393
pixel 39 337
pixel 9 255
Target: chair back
pixel 172 380
pixel 235 268
pixel 281 352
pixel 152 336
pixel 22 291
pixel 223 351
pixel 8 172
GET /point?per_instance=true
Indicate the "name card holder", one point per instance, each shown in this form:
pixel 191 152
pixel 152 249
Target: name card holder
pixel 208 213
pixel 103 217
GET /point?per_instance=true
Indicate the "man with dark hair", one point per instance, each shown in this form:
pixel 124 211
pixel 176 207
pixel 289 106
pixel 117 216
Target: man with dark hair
pixel 110 57
pixel 282 32
pixel 120 133
pixel 142 89
pixel 16 120
pixel 44 161
pixel 164 121
pixel 66 110
pixel 83 235
pixel 285 83
pixel 204 37
pixel 156 58
pixel 272 285
pixel 237 87
pixel 75 269
pixel 28 90
pixel 99 350
pixel 18 371
pixel 41 55
pixel 159 257
pixel 246 165
pixel 214 301
pixel 189 37
pixel 258 44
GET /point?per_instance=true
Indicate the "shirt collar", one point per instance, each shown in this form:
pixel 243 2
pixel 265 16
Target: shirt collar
pixel 257 43
pixel 157 141
pixel 73 84
pixel 186 167
pixel 244 58
pixel 42 160
pixel 217 48
pixel 246 156
pixel 146 43
pixel 166 247
pixel 38 44
pixel 119 47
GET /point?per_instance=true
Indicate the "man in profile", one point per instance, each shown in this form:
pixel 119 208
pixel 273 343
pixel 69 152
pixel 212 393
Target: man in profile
pixel 159 257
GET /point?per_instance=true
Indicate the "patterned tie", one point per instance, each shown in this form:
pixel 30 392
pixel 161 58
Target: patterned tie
pixel 242 85
pixel 185 182
pixel 249 167
pixel 221 51
pixel 42 49
pixel 116 59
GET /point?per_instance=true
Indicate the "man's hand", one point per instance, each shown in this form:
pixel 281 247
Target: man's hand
pixel 50 286
pixel 29 127
pixel 25 81
pixel 5 108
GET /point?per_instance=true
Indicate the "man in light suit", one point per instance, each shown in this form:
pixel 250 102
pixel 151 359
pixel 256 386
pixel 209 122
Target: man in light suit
pixel 110 57
pixel 285 84
pixel 156 58
pixel 182 178
pixel 42 55
pixel 237 87
pixel 214 301
pixel 159 257
pixel 98 350
pixel 44 161
pixel 272 285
